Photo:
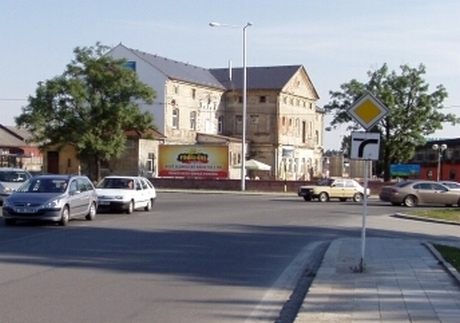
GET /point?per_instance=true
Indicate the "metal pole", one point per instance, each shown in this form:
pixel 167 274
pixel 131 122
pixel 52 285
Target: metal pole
pixel 243 136
pixel 439 164
pixel 363 230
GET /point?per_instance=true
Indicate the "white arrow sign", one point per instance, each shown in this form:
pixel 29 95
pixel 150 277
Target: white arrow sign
pixel 365 145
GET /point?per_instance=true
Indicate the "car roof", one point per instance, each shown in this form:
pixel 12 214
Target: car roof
pixel 14 169
pixel 123 176
pixel 60 176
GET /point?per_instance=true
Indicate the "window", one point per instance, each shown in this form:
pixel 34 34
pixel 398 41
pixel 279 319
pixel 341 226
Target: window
pixel 239 119
pixel 304 131
pixel 193 120
pixel 220 124
pixel 193 93
pixel 262 99
pixel 175 119
pixel 150 159
pixel 240 99
pixel 129 144
pixel 254 118
pixel 316 137
pixel 176 89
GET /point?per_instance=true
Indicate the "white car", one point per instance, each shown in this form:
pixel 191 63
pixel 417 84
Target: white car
pixel 10 180
pixel 125 194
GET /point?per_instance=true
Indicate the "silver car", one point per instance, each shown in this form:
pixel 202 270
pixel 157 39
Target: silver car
pixel 10 180
pixel 56 198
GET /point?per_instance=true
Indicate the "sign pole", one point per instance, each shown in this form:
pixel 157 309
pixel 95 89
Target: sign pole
pixel 363 229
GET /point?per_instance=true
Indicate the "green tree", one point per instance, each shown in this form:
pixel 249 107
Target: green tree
pixel 414 112
pixel 90 105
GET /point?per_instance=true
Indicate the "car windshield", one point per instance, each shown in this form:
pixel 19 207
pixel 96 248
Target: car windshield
pixel 14 176
pixel 324 182
pixel 43 185
pixel 117 183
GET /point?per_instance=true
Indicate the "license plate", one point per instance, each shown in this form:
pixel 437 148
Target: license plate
pixel 25 210
pixel 104 203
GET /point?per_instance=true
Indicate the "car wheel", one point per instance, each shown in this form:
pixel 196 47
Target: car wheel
pixel 358 197
pixel 10 222
pixel 458 202
pixel 92 212
pixel 307 198
pixel 323 197
pixel 343 199
pixel 130 209
pixel 410 201
pixel 148 207
pixel 65 215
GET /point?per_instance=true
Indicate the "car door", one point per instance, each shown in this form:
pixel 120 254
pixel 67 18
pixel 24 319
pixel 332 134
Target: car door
pixel 443 195
pixel 139 192
pixel 350 189
pixel 337 189
pixel 425 193
pixel 74 201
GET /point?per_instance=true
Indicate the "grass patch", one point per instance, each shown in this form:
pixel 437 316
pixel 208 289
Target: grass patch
pixel 450 254
pixel 439 214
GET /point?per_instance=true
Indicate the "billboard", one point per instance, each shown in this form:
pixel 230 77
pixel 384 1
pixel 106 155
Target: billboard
pixel 193 161
pixel 405 170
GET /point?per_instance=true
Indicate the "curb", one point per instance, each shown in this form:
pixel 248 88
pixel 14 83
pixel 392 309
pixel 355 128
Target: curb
pixel 420 218
pixel 442 261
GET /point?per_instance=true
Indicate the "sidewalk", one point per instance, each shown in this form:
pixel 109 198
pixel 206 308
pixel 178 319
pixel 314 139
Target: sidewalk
pixel 403 281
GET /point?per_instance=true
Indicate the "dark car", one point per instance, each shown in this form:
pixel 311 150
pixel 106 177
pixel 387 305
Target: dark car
pixel 414 192
pixel 56 198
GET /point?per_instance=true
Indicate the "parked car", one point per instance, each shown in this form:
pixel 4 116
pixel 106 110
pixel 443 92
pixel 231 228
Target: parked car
pixel 10 180
pixel 414 192
pixel 327 188
pixel 57 198
pixel 125 194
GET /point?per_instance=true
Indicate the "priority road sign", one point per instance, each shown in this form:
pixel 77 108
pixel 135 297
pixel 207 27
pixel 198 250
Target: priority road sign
pixel 367 111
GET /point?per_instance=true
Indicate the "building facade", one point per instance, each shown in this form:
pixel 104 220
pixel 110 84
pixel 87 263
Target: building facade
pixel 284 125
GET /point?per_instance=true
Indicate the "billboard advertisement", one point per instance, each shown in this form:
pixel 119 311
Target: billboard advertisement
pixel 405 170
pixel 193 161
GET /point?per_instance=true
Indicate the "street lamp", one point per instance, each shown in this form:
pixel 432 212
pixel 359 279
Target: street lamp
pixel 439 149
pixel 243 136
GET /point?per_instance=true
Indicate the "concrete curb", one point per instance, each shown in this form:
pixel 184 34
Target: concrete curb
pixel 446 265
pixel 421 218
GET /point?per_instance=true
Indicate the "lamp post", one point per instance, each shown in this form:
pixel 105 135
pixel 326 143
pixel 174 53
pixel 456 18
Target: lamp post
pixel 439 149
pixel 243 136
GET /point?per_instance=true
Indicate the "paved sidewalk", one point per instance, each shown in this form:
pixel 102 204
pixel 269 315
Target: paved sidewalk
pixel 403 281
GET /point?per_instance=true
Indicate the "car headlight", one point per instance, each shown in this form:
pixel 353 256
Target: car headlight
pixel 56 203
pixel 7 189
pixel 6 203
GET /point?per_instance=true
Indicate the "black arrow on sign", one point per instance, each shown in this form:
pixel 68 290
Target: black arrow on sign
pixel 364 144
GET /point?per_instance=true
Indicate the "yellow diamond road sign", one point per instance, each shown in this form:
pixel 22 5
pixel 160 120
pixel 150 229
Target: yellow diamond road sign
pixel 367 111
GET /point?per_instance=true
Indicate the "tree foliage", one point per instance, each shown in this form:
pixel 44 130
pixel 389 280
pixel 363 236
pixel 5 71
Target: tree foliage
pixel 90 105
pixel 414 111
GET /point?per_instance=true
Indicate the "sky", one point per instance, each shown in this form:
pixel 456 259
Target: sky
pixel 335 40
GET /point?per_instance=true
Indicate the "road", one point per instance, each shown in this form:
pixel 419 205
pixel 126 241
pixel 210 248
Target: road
pixel 193 258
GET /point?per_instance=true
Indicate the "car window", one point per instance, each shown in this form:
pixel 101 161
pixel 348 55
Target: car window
pixel 422 186
pixel 138 185
pixel 325 182
pixel 438 187
pixel 73 186
pixel 14 176
pixel 402 184
pixel 81 185
pixel 144 184
pixel 338 184
pixel 350 184
pixel 149 183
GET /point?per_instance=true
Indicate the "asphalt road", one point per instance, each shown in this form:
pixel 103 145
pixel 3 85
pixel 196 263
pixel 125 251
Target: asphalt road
pixel 193 258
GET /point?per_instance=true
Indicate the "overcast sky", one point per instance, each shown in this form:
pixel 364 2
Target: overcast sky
pixel 336 41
